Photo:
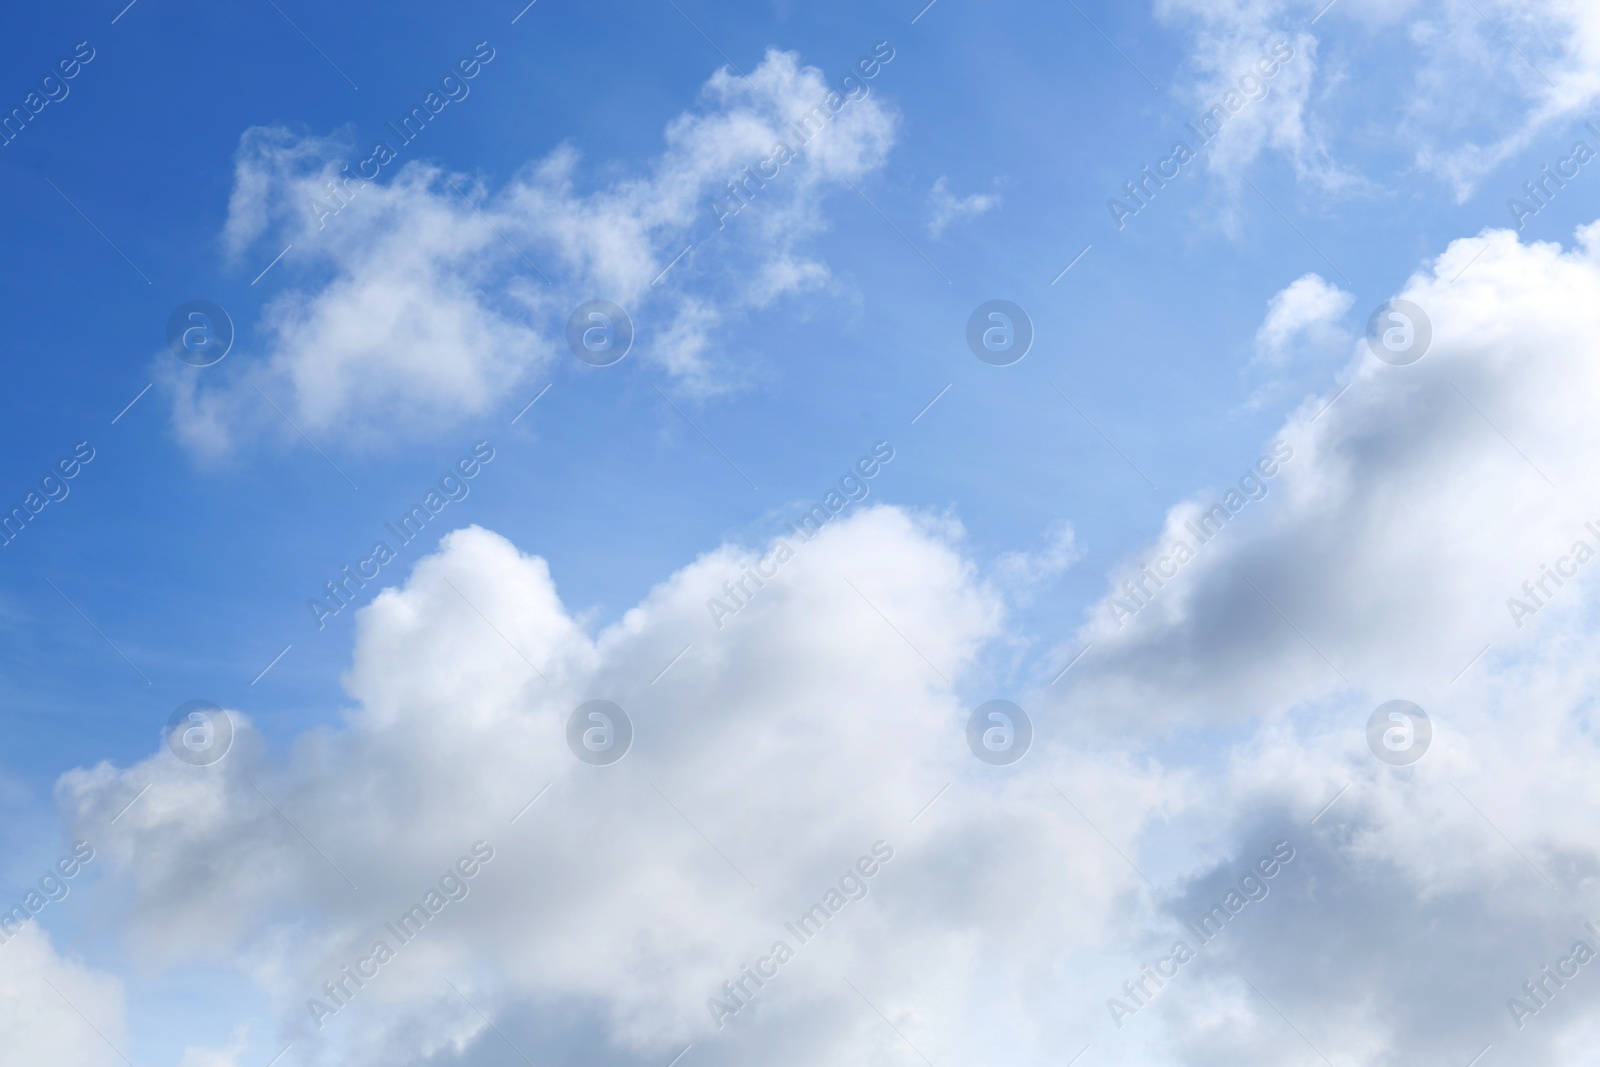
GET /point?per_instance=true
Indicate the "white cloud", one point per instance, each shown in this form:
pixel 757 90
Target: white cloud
pixel 945 207
pixel 1548 51
pixel 1255 68
pixel 426 297
pixel 800 733
pixel 1216 722
pixel 1379 565
pixel 1299 342
pixel 1415 452
pixel 1377 559
pixel 1307 309
pixel 1491 78
pixel 51 1007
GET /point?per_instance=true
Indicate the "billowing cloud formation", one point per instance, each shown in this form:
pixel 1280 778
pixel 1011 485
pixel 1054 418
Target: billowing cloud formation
pixel 1378 542
pixel 1423 532
pixel 1391 531
pixel 419 300
pixel 765 764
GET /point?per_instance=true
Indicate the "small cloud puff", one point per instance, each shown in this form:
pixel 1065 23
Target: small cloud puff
pixel 945 207
pixel 1307 309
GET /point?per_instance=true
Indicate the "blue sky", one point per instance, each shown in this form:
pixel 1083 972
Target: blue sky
pixel 181 562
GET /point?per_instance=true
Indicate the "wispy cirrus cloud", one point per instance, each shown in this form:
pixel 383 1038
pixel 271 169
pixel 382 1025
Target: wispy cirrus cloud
pixel 1490 77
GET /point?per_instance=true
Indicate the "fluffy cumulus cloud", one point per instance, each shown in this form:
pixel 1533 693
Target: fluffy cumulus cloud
pixel 1421 532
pixel 1492 77
pixel 1421 529
pixel 814 726
pixel 421 296
pixel 1200 861
pixel 1470 460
